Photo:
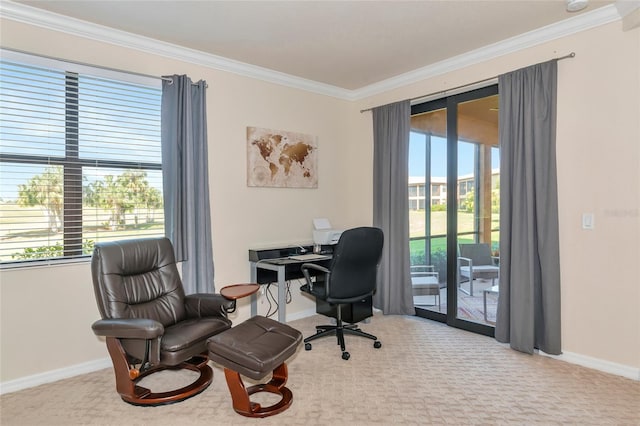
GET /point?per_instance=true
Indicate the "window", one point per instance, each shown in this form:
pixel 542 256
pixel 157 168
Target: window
pixel 80 158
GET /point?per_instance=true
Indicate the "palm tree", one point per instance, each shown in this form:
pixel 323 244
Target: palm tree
pixel 109 194
pixel 45 190
pixel 136 186
pixel 122 194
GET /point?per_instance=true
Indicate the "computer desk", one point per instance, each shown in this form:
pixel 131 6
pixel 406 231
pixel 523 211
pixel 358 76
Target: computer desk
pixel 278 265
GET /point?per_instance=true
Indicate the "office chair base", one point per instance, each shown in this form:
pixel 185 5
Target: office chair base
pixel 240 395
pixel 130 392
pixel 339 330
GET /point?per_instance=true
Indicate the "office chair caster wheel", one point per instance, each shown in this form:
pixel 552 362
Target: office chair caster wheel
pixel 346 355
pixel 307 346
pixel 377 344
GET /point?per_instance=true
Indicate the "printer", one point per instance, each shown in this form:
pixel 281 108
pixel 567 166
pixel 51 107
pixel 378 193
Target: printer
pixel 323 233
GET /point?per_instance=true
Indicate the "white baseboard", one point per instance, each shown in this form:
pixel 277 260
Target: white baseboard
pixel 54 375
pixel 86 367
pixel 301 314
pixel 597 364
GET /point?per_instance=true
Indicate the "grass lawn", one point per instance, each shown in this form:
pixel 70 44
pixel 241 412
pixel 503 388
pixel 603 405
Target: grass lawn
pixel 466 223
pixel 22 227
pixel 439 223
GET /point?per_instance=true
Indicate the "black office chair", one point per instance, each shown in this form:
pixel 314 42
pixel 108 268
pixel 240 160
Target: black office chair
pixel 350 278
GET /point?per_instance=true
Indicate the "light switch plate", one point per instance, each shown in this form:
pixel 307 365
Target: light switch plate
pixel 587 221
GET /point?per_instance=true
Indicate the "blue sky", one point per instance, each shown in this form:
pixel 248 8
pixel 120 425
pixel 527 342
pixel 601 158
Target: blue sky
pixel 417 154
pixel 116 121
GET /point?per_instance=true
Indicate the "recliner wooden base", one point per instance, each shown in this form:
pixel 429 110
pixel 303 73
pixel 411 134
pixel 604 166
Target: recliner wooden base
pixel 130 392
pixel 241 396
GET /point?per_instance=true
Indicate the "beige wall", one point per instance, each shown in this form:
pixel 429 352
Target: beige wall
pixel 598 154
pixel 46 313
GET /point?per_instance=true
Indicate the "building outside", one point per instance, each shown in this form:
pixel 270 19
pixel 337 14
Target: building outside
pixel 438 191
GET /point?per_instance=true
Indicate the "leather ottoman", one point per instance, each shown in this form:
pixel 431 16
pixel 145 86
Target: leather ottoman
pixel 255 348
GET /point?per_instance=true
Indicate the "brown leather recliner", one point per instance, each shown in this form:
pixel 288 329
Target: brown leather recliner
pixel 148 321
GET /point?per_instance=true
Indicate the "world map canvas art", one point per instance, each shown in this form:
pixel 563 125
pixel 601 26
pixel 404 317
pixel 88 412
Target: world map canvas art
pixel 281 159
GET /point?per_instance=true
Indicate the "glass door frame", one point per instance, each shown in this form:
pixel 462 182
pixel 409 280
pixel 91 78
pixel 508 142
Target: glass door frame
pixel 451 104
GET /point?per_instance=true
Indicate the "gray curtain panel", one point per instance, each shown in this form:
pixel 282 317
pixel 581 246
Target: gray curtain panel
pixel 391 126
pixel 186 180
pixel 529 303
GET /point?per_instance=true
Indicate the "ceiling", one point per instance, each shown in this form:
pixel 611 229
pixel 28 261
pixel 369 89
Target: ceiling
pixel 346 44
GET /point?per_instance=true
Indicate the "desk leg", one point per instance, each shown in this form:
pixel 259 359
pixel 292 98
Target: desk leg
pixel 484 295
pixel 282 295
pixel 254 296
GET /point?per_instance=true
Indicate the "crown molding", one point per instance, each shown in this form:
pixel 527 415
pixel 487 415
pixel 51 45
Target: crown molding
pixel 585 21
pixel 65 24
pixel 41 18
pixel 626 7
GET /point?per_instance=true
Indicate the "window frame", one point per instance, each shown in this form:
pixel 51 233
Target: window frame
pixel 72 162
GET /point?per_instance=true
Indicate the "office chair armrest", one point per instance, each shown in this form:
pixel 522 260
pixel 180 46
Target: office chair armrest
pixel 305 271
pixel 128 328
pixel 306 266
pixel 207 305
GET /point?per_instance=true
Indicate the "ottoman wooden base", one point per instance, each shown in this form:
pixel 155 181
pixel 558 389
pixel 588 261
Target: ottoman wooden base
pixel 240 395
pixel 257 347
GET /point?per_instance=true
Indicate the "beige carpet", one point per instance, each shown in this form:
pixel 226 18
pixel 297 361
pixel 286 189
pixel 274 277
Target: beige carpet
pixel 425 373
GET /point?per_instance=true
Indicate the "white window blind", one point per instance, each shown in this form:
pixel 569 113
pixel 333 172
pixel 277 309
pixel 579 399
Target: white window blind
pixel 80 160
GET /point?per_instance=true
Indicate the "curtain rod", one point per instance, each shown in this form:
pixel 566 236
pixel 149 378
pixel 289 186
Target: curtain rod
pixel 85 64
pixel 570 55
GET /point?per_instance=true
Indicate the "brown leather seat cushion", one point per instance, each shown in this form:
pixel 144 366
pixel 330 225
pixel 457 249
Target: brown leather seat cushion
pixel 255 347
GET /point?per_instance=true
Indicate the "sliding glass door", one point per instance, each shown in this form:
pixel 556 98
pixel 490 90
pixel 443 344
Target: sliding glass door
pixel 428 207
pixel 454 180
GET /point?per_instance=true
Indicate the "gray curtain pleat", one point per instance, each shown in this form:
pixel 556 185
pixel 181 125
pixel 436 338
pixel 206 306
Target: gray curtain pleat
pixel 186 180
pixel 529 303
pixel 391 127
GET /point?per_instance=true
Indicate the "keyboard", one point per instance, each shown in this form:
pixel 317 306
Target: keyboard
pixel 310 256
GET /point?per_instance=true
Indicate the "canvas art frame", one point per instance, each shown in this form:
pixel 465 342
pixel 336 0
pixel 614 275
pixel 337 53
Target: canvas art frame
pixel 281 159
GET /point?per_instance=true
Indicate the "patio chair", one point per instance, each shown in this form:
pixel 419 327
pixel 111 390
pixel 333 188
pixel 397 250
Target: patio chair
pixel 425 281
pixel 475 262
